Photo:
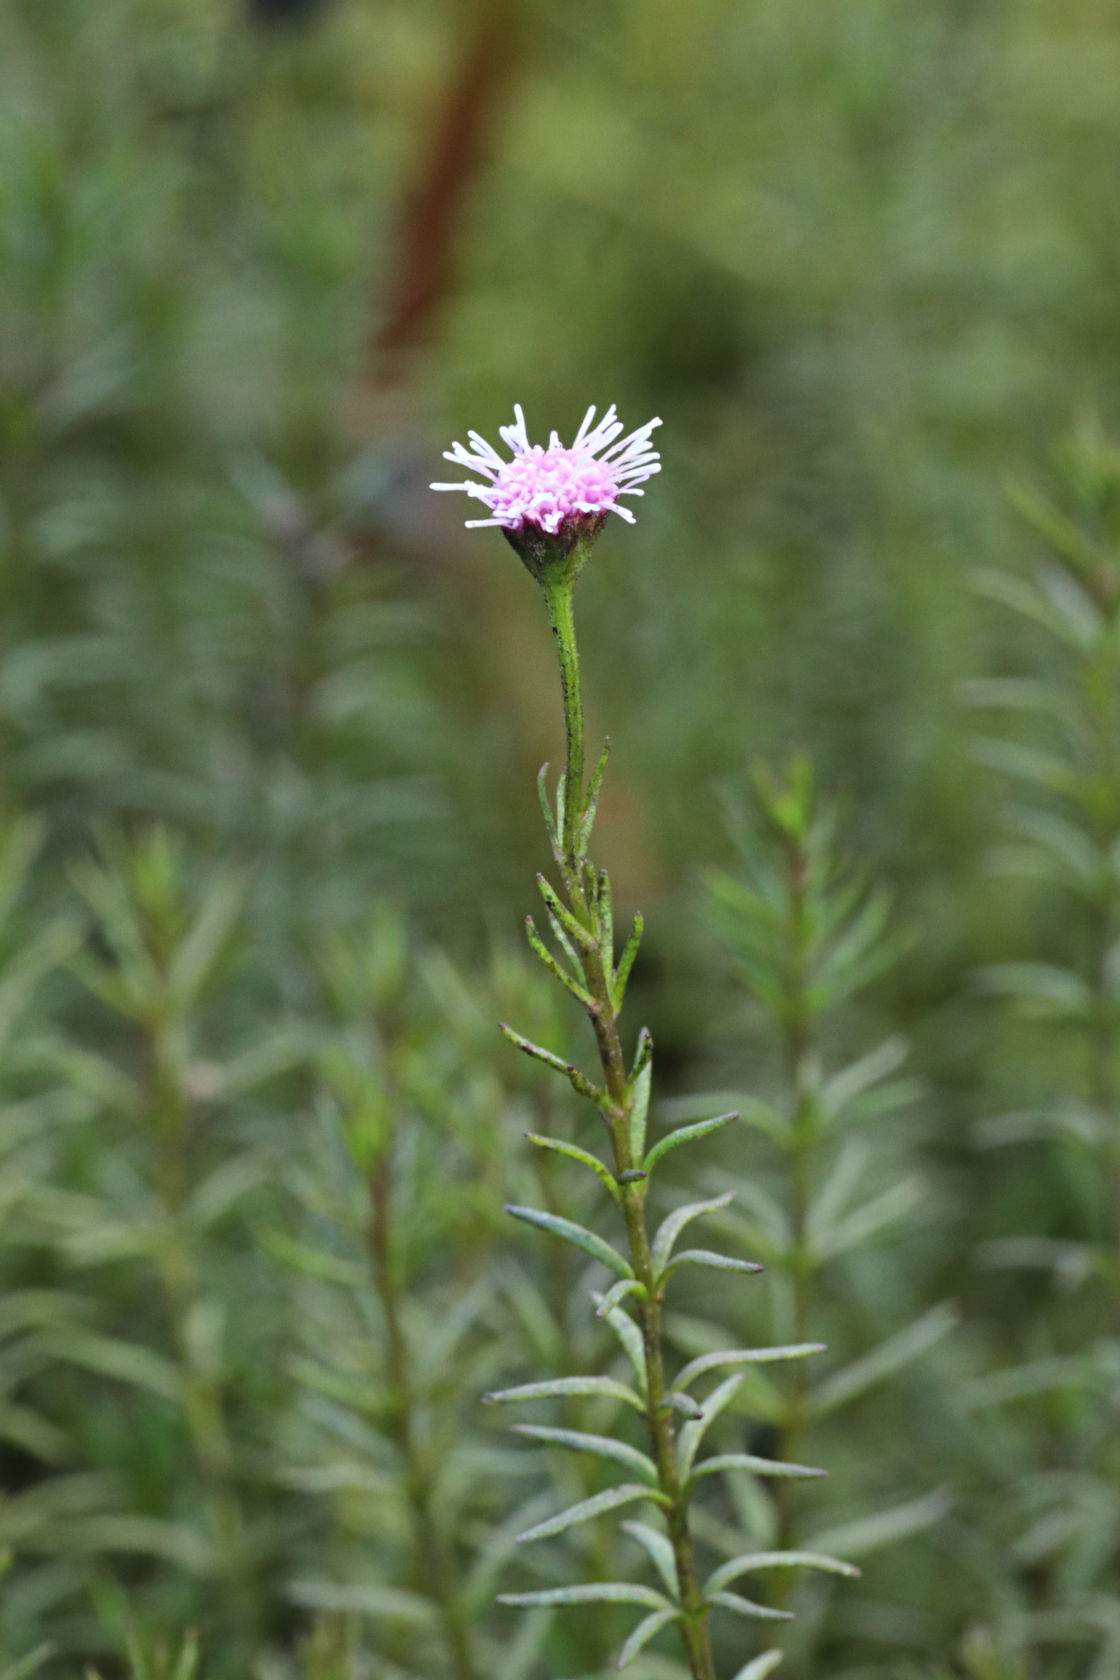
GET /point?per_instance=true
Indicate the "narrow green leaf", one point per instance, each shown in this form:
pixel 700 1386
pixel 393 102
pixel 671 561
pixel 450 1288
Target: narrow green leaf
pixel 223 1188
pixel 610 1500
pixel 659 1550
pixel 883 1528
pixel 581 1083
pixel 707 1257
pixel 1040 1376
pixel 750 1561
pixel 604 912
pixel 566 945
pixel 643 1633
pixel 578 1080
pixel 908 1344
pixel 626 963
pixel 857 955
pixel 843 1180
pixel 313 1262
pixel 546 807
pixel 94 1241
pixel 742 1356
pixel 575 1153
pixel 587 822
pixel 643 1055
pixel 686 1134
pixel 604 1446
pixel 202 948
pixel 361 1598
pixel 866 1221
pixel 682 1403
pixel 692 1433
pixel 593 1093
pixel 151 1537
pixel 556 1387
pixel 20 1426
pixel 617 1293
pixel 759 1668
pixel 592 1592
pixel 765 1118
pixel 639 1112
pixel 747 1607
pixel 845 1087
pixel 1027 764
pixel 535 1050
pixel 578 1235
pixel 187 1665
pixel 1067 1118
pixel 1060 532
pixel 123 1361
pixel 571 924
pixel 1073 605
pixel 1073 1261
pixel 541 950
pixel 631 1339
pixel 490 1560
pixel 1045 987
pixel 1076 853
pixel 30 1664
pixel 756 1466
pixel 41 1309
pixel 671 1228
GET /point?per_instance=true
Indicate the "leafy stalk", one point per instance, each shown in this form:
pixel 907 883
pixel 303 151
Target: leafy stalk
pixel 803 1131
pixel 808 935
pixel 584 898
pixel 376 1068
pixel 1064 823
pixel 162 962
pixel 417 1469
pixel 1066 831
pixel 675 1422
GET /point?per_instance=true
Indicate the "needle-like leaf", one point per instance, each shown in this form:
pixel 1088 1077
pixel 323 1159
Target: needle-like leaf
pixel 578 1235
pixel 609 1500
pixel 686 1134
pixel 604 1446
pixel 646 1630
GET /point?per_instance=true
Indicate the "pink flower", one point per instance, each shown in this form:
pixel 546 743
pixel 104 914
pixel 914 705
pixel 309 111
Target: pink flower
pixel 545 489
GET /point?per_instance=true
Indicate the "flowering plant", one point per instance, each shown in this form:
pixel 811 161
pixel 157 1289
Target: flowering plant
pixel 551 504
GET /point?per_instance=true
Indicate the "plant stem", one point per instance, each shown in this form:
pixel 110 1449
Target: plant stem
pixel 1100 691
pixel 802 1137
pixel 430 1550
pixel 579 879
pixel 561 616
pixel 203 1399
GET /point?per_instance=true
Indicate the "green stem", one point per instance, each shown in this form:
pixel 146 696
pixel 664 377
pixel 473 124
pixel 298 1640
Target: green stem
pixel 431 1552
pixel 694 1628
pixel 559 1286
pixel 203 1399
pixel 1100 686
pixel 561 615
pixel 597 964
pixel 802 1136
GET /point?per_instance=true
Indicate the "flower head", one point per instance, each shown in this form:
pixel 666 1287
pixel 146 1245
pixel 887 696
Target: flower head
pixel 556 493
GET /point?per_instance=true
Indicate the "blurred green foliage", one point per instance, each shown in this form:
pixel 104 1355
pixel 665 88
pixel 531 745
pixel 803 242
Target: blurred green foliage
pixel 268 728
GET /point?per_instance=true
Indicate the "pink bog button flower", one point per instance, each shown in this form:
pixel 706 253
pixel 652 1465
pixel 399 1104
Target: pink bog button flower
pixel 552 503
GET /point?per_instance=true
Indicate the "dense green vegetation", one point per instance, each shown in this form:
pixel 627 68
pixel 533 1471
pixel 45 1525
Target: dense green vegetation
pixel 269 728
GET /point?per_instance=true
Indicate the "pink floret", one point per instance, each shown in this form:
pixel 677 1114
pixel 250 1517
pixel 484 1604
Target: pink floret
pixel 545 488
